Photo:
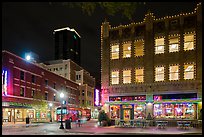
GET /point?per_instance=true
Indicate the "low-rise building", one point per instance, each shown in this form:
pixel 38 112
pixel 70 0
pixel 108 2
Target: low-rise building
pixel 23 80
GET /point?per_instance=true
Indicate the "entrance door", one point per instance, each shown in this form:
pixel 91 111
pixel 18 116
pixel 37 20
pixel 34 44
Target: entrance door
pixel 9 116
pixel 126 114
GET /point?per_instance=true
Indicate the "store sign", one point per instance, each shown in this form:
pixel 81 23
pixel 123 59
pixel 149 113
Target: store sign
pixel 96 97
pixel 5 104
pixel 4 82
pixel 19 104
pixel 127 106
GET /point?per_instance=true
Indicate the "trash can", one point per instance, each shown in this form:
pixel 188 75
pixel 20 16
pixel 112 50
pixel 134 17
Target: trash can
pixel 67 124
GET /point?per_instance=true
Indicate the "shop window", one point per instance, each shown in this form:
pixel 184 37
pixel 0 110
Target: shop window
pixel 126 76
pixel 22 91
pixel 189 71
pixel 115 52
pixel 188 42
pixel 114 111
pixel 139 111
pixel 22 75
pixel 158 110
pixel 127 50
pixel 139 75
pixel 159 45
pixel 168 110
pixel 174 44
pixel 174 72
pixel 115 77
pixel 159 74
pixel 139 48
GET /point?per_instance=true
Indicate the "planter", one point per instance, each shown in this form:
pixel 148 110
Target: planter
pixel 104 123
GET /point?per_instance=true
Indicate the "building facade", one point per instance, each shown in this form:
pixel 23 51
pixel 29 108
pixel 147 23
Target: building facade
pixel 67 44
pixel 72 71
pixel 153 67
pixel 25 83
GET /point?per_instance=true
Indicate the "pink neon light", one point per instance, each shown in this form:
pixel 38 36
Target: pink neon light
pixel 96 97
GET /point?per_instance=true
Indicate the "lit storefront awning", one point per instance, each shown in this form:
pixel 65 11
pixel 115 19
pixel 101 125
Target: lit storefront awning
pixel 125 102
pixel 195 100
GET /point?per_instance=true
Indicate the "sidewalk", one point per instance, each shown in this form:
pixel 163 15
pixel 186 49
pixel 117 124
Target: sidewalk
pixel 21 124
pixel 91 128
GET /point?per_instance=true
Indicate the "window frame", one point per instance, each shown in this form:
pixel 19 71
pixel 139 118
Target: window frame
pixel 117 77
pixel 116 56
pixel 163 74
pixel 139 75
pixel 125 77
pixel 157 46
pixel 173 72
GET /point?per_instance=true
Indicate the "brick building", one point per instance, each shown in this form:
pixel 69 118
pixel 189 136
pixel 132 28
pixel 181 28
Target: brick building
pixel 72 71
pixel 153 67
pixel 22 80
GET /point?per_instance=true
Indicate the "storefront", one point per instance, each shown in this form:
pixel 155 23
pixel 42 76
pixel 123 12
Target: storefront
pixel 177 106
pixel 127 108
pixel 17 112
pixel 176 109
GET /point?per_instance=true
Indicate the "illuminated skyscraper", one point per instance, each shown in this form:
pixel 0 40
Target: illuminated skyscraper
pixel 67 44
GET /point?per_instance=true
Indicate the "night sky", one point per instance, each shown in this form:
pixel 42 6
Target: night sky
pixel 29 26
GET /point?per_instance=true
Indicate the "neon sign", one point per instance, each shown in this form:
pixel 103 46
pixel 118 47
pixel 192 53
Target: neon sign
pixel 96 97
pixel 4 82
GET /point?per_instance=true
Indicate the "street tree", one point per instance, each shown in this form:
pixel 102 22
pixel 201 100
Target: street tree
pixel 38 103
pixel 111 8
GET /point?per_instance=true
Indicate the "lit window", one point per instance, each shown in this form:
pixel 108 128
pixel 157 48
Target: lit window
pixel 159 73
pixel 115 52
pixel 189 71
pixel 115 77
pixel 127 76
pixel 32 93
pixel 22 91
pixel 159 46
pixel 174 72
pixel 189 42
pixel 174 44
pixel 139 75
pixel 127 50
pixel 139 48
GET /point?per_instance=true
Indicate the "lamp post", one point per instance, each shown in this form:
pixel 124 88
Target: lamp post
pixel 50 105
pixel 61 96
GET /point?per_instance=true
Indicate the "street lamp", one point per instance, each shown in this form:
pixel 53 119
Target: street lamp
pixel 61 96
pixel 50 104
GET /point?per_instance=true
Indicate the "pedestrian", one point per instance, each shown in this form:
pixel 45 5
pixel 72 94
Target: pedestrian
pixel 27 121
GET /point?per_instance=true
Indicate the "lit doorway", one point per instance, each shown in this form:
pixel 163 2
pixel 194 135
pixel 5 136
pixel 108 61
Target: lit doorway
pixel 126 115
